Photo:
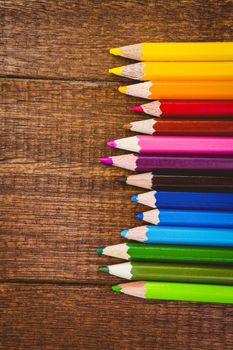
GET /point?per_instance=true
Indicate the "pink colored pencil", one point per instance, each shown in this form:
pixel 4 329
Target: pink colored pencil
pixel 175 144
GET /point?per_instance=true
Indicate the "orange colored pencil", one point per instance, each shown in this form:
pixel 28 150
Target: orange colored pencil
pixel 191 90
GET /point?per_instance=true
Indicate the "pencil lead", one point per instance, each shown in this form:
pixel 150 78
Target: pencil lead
pixel 115 51
pixel 116 70
pixel 122 179
pixel 122 89
pixel 134 198
pixel 103 269
pixel 139 216
pixel 106 160
pixel 100 250
pixel 116 288
pixel 137 109
pixel 124 233
pixel 127 126
pixel 111 143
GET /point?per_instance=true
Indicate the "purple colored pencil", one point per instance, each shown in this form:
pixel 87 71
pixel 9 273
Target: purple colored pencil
pixel 140 162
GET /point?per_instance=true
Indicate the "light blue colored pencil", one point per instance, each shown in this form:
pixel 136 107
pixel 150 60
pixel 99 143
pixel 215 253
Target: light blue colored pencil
pixel 200 236
pixel 199 218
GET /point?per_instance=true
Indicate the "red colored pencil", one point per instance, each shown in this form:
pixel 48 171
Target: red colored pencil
pixel 182 127
pixel 186 108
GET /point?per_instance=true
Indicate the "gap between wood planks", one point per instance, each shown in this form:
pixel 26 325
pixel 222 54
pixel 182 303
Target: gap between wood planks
pixel 76 79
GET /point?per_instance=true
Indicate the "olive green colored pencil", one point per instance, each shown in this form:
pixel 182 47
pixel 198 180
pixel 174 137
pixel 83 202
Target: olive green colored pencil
pixel 211 274
pixel 178 291
pixel 169 253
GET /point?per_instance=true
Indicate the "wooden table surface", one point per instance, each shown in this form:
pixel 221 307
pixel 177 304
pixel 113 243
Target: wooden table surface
pixel 58 107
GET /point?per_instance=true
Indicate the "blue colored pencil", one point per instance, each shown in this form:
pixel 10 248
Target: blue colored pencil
pixel 186 200
pixel 199 218
pixel 199 236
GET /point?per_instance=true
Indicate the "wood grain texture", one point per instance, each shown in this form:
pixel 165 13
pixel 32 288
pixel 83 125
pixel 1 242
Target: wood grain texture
pixel 59 203
pixel 71 39
pixel 72 317
pixel 58 106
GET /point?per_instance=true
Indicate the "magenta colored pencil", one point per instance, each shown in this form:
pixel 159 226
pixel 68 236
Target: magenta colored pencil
pixel 137 162
pixel 212 145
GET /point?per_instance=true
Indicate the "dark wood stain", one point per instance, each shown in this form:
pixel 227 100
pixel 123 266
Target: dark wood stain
pixel 92 317
pixel 58 107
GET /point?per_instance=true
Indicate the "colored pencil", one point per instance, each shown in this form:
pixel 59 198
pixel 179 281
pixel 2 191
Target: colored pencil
pixel 165 71
pixel 181 90
pixel 137 162
pixel 179 235
pixel 166 253
pixel 175 144
pixel 182 127
pixel 177 51
pixel 177 291
pixel 157 181
pixel 185 200
pixel 193 218
pixel 186 108
pixel 137 271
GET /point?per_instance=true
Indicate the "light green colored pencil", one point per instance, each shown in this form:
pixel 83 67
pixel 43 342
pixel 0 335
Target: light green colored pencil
pixel 178 291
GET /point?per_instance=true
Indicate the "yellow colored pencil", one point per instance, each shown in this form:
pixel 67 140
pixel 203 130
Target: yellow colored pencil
pixel 181 90
pixel 182 51
pixel 176 71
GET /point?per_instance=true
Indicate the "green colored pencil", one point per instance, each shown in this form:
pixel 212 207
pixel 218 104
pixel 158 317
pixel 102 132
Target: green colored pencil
pixel 169 253
pixel 178 291
pixel 171 272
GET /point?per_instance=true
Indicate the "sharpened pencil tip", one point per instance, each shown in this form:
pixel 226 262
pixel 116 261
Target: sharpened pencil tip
pixel 127 126
pixel 100 250
pixel 139 216
pixel 115 51
pixel 122 179
pixel 104 269
pixel 111 143
pixel 134 198
pixel 124 233
pixel 116 71
pixel 106 160
pixel 137 109
pixel 116 288
pixel 122 89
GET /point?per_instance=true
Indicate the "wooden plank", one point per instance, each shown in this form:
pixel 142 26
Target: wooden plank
pixel 81 317
pixel 61 121
pixel 52 224
pixel 70 39
pixel 57 202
